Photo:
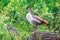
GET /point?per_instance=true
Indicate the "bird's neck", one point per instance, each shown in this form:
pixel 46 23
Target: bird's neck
pixel 30 12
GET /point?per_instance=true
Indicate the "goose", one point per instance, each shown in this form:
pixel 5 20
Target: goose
pixel 35 20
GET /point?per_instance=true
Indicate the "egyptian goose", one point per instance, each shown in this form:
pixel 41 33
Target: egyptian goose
pixel 35 20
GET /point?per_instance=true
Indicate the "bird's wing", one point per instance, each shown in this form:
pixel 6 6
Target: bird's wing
pixel 40 19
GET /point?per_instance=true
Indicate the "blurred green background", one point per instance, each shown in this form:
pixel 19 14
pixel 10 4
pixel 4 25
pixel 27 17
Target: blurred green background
pixel 13 12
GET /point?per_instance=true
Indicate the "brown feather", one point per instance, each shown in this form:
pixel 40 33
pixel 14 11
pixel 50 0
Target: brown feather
pixel 40 19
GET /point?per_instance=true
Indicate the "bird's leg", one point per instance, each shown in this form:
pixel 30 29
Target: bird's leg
pixel 35 27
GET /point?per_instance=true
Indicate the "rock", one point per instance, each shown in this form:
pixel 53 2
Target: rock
pixel 45 36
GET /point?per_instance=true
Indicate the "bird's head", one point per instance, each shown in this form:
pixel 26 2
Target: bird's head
pixel 30 10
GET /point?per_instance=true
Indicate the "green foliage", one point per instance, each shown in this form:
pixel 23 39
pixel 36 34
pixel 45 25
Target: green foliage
pixel 14 12
pixel 3 3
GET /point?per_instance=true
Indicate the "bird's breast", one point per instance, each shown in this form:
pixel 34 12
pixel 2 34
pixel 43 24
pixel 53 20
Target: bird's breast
pixel 31 19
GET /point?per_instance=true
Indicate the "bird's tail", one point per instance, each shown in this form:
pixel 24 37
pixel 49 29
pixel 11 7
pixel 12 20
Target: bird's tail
pixel 45 23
